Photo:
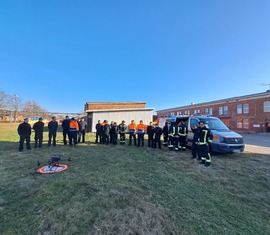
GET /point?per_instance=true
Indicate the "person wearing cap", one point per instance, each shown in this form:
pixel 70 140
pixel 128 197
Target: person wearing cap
pixel 65 126
pixel 73 130
pixel 122 132
pixel 52 126
pixel 24 131
pixel 205 138
pixel 38 128
pixel 132 132
pixel 141 130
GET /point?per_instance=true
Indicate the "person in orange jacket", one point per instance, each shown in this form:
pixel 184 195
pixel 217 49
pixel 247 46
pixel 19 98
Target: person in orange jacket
pixel 141 130
pixel 132 132
pixel 73 131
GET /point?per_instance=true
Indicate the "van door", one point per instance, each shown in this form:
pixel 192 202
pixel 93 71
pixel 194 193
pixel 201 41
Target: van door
pixel 192 122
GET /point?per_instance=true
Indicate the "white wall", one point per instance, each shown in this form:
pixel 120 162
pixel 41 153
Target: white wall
pixel 118 116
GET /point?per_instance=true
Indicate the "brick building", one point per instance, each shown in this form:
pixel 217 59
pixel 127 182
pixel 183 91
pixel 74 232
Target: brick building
pixel 116 111
pixel 246 114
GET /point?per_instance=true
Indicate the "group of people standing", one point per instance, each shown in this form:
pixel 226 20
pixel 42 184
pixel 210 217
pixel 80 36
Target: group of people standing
pixel 108 133
pixel 174 135
pixel 73 129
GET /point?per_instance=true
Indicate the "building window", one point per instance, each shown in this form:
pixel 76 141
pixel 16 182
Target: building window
pixel 225 109
pixel 206 111
pixel 172 113
pixel 220 110
pixel 198 111
pixel 188 113
pixel 239 108
pixel 245 108
pixel 245 123
pixel 240 123
pixel 266 106
pixel 177 113
pixel 211 111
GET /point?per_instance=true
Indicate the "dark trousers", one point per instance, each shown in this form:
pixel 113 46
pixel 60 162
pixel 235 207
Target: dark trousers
pixel 176 142
pixel 105 139
pixel 98 136
pixel 195 151
pixel 165 138
pixel 52 135
pixel 204 153
pixel 25 137
pixel 111 138
pixel 114 138
pixel 38 140
pixel 81 135
pixel 122 138
pixel 73 137
pixel 182 142
pixel 157 141
pixel 150 141
pixel 140 139
pixel 65 135
pixel 132 135
pixel 171 141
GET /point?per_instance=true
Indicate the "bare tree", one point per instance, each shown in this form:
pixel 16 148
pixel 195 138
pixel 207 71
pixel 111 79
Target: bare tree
pixel 32 109
pixel 3 100
pixel 15 105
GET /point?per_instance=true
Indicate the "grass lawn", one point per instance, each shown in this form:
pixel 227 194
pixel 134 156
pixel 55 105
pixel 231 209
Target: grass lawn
pixel 130 190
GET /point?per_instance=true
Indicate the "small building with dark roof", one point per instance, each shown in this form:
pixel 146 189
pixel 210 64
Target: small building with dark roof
pixel 117 111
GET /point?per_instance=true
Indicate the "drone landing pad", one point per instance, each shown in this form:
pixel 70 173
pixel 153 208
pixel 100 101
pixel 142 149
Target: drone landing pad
pixel 52 169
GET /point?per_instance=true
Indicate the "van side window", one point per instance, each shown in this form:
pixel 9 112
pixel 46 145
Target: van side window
pixel 193 122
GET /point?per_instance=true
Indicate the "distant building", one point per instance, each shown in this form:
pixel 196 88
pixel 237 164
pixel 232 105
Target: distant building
pixel 116 111
pixel 249 113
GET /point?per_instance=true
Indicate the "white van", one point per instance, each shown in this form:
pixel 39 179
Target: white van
pixel 224 140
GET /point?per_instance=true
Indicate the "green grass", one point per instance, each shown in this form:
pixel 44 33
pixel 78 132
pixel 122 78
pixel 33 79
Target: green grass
pixel 130 190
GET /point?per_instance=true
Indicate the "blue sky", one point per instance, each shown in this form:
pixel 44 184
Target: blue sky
pixel 64 53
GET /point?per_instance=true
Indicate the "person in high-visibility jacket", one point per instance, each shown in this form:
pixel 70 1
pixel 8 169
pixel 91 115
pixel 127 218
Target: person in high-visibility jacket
pixel 171 132
pixel 132 132
pixel 122 132
pixel 141 130
pixel 182 132
pixel 73 131
pixel 205 138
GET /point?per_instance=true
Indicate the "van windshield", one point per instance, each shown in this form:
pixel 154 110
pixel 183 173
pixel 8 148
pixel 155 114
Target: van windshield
pixel 215 124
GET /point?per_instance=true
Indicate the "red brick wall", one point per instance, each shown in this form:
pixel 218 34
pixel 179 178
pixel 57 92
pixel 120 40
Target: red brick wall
pixel 256 114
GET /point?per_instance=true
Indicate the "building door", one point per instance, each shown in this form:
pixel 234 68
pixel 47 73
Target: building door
pixel 89 125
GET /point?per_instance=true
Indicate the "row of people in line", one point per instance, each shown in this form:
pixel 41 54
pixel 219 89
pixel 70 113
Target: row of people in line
pixel 108 133
pixel 73 129
pixel 175 136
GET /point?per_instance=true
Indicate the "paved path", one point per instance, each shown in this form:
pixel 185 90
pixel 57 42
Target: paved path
pixel 257 143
